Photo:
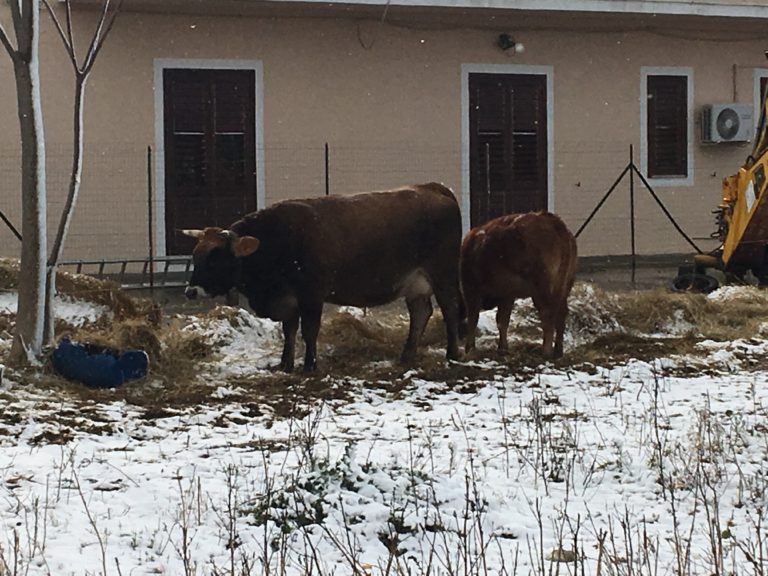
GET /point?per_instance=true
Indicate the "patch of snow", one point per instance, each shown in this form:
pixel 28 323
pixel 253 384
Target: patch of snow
pixel 78 312
pixel 246 344
pixel 71 310
pixel 731 292
pixel 227 392
pixel 353 311
pixel 8 301
pixel 676 326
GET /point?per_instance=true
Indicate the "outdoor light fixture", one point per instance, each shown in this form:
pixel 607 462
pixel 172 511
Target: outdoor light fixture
pixel 507 43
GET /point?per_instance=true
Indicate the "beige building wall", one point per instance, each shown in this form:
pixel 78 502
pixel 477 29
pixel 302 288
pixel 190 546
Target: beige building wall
pixel 388 101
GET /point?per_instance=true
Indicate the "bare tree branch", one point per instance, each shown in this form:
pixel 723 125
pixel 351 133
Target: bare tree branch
pixel 97 40
pixel 69 28
pixel 20 20
pixel 106 32
pixel 6 42
pixel 90 56
pixel 64 37
pixel 15 12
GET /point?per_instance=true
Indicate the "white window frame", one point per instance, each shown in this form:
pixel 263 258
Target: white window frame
pixel 162 64
pixel 466 70
pixel 646 71
pixel 757 75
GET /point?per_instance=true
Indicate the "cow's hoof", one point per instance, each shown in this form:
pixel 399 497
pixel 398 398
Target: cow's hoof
pixel 284 367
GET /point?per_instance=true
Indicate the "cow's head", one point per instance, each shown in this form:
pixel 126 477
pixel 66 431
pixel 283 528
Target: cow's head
pixel 216 260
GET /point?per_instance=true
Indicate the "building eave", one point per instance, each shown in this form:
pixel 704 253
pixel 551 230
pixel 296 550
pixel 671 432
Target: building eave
pixel 735 9
pixel 751 9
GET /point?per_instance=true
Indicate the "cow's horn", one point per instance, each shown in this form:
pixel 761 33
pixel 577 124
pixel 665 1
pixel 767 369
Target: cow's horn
pixel 192 233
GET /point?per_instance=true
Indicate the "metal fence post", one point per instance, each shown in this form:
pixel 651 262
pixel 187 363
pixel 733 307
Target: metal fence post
pixel 632 210
pixel 150 220
pixel 327 170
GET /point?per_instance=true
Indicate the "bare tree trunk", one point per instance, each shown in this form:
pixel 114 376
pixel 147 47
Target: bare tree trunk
pixel 28 335
pixel 69 208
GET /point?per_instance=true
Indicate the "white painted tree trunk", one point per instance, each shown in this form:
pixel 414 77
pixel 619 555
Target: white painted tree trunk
pixel 28 335
pixel 69 210
pixel 82 72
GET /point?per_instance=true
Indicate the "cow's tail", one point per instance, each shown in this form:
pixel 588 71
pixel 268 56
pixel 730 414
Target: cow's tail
pixel 568 265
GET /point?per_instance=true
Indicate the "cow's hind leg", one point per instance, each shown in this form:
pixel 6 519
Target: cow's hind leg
pixel 503 313
pixel 419 310
pixel 310 329
pixel 450 305
pixel 290 327
pixel 547 316
pixel 560 317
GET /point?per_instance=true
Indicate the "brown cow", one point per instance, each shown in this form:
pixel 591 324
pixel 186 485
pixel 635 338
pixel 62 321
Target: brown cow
pixel 519 256
pixel 362 250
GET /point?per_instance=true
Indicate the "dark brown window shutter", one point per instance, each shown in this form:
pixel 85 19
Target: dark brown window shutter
pixel 667 126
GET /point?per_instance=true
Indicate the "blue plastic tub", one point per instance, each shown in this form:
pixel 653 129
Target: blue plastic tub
pixel 97 366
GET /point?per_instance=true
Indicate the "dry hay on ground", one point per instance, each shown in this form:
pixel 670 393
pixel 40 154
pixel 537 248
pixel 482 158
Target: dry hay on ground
pixel 9 274
pixel 89 289
pixel 731 313
pixel 604 328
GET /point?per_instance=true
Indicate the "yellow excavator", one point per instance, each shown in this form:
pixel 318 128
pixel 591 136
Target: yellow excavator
pixel 742 226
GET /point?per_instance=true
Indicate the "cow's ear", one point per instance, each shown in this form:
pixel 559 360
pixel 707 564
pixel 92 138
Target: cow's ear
pixel 193 233
pixel 245 246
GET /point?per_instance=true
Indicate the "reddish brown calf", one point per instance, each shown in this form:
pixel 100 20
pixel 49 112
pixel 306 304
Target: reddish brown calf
pixel 519 256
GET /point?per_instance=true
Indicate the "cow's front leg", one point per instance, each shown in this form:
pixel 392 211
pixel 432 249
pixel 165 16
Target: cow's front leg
pixel 310 328
pixel 290 327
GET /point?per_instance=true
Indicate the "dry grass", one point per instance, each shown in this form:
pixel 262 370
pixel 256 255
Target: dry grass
pixel 739 316
pixel 365 348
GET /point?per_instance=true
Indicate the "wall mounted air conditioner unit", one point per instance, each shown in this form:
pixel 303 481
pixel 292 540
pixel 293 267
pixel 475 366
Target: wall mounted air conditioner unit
pixel 727 123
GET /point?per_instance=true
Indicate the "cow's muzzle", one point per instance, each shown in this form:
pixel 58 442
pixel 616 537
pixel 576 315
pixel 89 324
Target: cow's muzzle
pixel 192 292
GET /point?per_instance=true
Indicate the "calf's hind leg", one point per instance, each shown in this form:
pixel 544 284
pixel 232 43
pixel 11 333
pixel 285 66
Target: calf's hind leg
pixel 503 313
pixel 560 317
pixel 472 306
pixel 419 310
pixel 547 316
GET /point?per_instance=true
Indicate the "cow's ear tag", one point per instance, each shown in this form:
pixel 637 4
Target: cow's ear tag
pixel 245 246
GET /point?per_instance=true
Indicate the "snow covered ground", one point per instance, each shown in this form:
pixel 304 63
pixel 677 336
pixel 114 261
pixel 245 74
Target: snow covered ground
pixel 653 466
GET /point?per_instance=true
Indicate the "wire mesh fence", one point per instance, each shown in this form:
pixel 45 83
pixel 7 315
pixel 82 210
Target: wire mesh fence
pixel 122 209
